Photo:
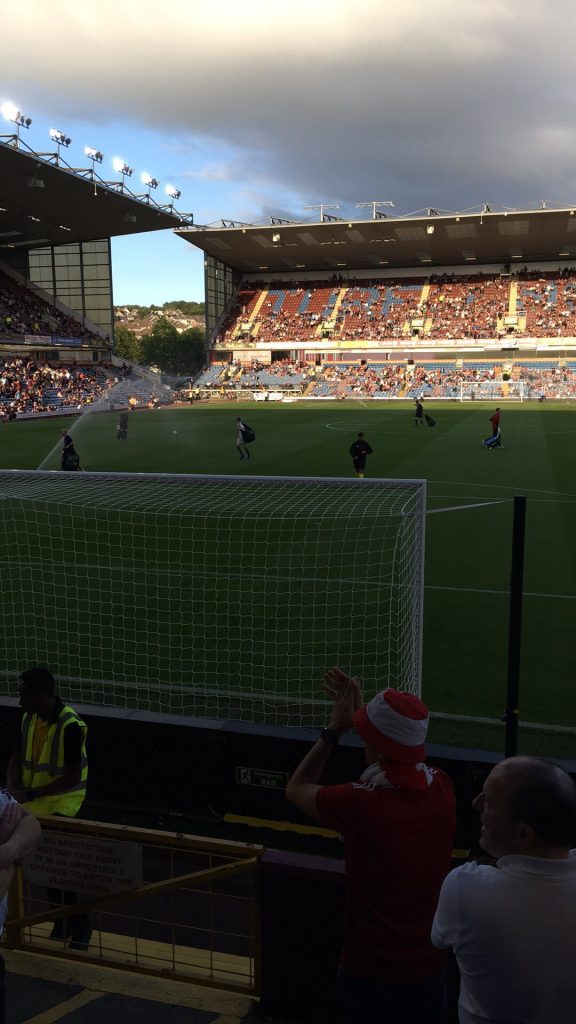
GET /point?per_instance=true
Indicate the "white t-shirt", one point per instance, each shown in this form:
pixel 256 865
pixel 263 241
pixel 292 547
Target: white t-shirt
pixel 513 930
pixel 5 799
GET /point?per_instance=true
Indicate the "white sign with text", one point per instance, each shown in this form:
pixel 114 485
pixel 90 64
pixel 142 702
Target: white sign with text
pixel 85 865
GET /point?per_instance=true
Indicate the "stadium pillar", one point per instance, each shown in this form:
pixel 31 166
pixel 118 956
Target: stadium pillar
pixel 515 626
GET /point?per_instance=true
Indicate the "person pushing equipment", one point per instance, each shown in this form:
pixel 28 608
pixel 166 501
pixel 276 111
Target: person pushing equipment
pixel 70 458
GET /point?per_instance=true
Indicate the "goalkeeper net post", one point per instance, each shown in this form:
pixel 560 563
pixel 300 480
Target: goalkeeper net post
pixel 224 597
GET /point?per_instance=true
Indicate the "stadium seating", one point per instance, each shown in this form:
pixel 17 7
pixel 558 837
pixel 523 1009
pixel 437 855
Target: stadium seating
pixel 211 377
pixel 444 307
pixel 26 387
pixel 23 312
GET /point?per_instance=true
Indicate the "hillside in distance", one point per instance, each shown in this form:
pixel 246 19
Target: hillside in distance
pixel 141 319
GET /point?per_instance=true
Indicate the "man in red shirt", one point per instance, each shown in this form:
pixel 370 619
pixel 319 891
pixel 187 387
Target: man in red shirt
pixel 398 825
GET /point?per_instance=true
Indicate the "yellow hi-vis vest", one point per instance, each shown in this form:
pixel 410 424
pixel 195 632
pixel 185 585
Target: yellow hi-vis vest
pixel 50 765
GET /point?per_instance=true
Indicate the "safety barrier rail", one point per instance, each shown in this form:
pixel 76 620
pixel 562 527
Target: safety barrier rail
pixel 157 903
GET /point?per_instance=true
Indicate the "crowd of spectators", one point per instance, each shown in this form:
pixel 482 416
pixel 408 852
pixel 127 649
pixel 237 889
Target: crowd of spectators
pixel 22 312
pixel 466 307
pixel 441 307
pixel 553 382
pixel 510 922
pixel 27 387
pixel 360 380
pixel 548 303
pixel 363 379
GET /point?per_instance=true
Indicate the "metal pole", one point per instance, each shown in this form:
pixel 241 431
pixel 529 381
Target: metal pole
pixel 515 626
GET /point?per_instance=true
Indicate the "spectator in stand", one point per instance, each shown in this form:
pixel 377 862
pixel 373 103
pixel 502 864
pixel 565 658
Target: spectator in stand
pixel 512 925
pixel 398 825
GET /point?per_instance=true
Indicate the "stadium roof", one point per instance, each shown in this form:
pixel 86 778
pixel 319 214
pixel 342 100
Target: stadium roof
pixel 45 203
pixel 388 242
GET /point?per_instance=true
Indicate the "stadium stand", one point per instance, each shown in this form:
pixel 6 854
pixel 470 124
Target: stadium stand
pixel 445 307
pixel 440 379
pixel 23 312
pixel 28 388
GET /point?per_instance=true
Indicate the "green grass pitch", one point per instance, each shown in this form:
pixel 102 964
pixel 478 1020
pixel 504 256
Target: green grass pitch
pixel 468 530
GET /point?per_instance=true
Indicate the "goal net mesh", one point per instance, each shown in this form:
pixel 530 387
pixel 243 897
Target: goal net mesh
pixel 494 391
pixel 219 596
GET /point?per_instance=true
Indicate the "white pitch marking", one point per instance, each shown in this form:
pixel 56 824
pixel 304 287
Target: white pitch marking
pixel 503 487
pixel 504 593
pixel 458 508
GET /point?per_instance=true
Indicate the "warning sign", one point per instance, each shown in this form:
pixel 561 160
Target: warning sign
pixel 84 865
pixel 261 777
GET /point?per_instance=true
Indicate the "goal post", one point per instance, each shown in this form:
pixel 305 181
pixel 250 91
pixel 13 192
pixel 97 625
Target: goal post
pixel 218 596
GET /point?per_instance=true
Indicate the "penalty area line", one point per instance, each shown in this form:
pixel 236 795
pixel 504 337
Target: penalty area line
pixel 501 593
pixel 464 508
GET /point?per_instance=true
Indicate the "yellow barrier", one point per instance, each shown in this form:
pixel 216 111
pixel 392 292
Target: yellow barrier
pixel 192 914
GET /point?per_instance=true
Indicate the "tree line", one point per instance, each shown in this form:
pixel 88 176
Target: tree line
pixel 164 347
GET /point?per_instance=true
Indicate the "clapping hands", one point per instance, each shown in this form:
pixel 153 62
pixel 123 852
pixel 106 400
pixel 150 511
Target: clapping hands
pixel 347 694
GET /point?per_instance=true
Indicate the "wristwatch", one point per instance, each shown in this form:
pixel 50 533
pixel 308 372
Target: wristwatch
pixel 330 736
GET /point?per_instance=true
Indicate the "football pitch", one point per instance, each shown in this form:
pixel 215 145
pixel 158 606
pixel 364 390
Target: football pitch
pixel 470 494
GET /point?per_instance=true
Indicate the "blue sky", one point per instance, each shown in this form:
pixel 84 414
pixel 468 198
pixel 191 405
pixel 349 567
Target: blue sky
pixel 259 109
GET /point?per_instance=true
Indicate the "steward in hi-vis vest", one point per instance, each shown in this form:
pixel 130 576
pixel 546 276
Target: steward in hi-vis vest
pixel 49 772
pixel 59 747
pixel 48 776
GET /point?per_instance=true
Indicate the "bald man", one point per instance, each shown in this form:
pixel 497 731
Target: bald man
pixel 512 926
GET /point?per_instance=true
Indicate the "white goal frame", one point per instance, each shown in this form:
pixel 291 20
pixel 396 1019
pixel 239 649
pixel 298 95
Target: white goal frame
pixel 493 391
pixel 285 576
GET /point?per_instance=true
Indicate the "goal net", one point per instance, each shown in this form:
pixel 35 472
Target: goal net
pixel 223 597
pixel 493 390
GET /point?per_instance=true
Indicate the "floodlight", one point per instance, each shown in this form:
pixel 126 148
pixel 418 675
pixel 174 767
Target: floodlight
pixel 59 137
pixel 93 154
pixel 121 167
pixel 172 192
pixel 11 113
pixel 148 180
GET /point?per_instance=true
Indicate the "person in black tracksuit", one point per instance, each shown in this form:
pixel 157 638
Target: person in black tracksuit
pixel 122 427
pixel 70 459
pixel 359 450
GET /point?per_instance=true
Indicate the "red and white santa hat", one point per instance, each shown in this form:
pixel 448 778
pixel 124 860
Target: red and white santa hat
pixel 395 725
